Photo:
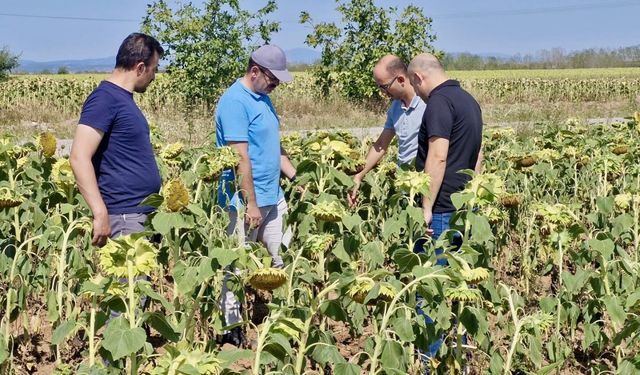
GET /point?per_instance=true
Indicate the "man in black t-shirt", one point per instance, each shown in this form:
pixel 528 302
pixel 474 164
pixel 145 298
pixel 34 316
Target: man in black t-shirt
pixel 449 140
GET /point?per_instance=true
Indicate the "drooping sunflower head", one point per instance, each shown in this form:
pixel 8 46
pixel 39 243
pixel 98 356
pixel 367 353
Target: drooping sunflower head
pixel 176 195
pixel 463 294
pixel 227 157
pixel 317 244
pixel 62 175
pixel 511 200
pixel 620 149
pixel 527 161
pixel 474 275
pixel 172 151
pixel 413 182
pixel 387 168
pixel 8 198
pixel 46 143
pixel 502 133
pixel 363 285
pixel 267 278
pixel 328 211
pixel 220 159
pixel 116 255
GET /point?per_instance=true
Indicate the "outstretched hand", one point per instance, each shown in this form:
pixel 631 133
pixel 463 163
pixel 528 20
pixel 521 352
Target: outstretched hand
pixel 352 195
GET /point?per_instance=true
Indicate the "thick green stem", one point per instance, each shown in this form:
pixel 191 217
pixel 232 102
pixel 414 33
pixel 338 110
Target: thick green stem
pixel 16 216
pixel 459 334
pixel 175 250
pixel 196 199
pixel 190 326
pixel 261 340
pixel 131 309
pixel 7 311
pixel 302 347
pixel 516 334
pixel 92 331
pixel 559 307
pixel 62 264
pixel 636 229
pixel 575 180
pixel 390 310
pixel 291 274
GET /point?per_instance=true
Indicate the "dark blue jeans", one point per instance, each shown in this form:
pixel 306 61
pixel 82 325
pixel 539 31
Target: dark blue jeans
pixel 439 223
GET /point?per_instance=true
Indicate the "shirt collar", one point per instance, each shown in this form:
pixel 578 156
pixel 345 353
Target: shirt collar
pixel 414 103
pixel 449 82
pixel 255 95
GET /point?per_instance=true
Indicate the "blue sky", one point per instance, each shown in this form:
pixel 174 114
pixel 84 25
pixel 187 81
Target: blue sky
pixel 494 26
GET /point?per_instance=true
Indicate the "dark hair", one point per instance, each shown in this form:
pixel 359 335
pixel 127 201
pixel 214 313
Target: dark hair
pixel 397 66
pixel 251 65
pixel 135 48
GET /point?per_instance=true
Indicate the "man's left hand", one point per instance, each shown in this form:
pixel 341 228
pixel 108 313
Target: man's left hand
pixel 428 215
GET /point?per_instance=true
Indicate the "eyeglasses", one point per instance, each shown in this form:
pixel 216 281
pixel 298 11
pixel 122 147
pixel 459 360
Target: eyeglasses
pixel 268 75
pixel 386 86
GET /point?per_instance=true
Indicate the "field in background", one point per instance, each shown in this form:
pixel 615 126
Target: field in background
pixel 31 103
pixel 629 73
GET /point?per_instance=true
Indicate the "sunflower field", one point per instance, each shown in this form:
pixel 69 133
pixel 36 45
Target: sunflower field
pixel 547 279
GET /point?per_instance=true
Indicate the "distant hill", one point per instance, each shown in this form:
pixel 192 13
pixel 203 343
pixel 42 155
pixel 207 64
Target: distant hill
pixel 88 65
pixel 294 56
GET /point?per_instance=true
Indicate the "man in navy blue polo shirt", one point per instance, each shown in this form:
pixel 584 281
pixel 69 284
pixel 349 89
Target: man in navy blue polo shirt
pixel 111 155
pixel 247 121
pixel 449 140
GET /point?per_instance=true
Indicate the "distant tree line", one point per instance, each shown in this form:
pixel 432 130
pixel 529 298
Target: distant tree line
pixel 555 58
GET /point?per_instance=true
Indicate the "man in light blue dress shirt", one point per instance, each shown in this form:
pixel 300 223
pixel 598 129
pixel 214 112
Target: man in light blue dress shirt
pixel 403 118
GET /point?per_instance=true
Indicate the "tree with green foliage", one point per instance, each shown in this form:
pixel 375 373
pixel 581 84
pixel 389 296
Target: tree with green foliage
pixel 367 33
pixel 207 47
pixel 8 61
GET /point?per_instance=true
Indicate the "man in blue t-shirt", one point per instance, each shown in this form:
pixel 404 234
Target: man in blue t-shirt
pixel 111 155
pixel 403 118
pixel 246 120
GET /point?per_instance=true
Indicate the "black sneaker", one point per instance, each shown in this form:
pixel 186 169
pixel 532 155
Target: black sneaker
pixel 234 337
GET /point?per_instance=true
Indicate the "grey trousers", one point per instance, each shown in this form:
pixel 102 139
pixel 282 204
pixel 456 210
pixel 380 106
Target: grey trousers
pixel 123 224
pixel 270 233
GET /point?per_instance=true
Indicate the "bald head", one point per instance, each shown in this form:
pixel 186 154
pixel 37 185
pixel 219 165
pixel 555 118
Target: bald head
pixel 425 73
pixel 425 63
